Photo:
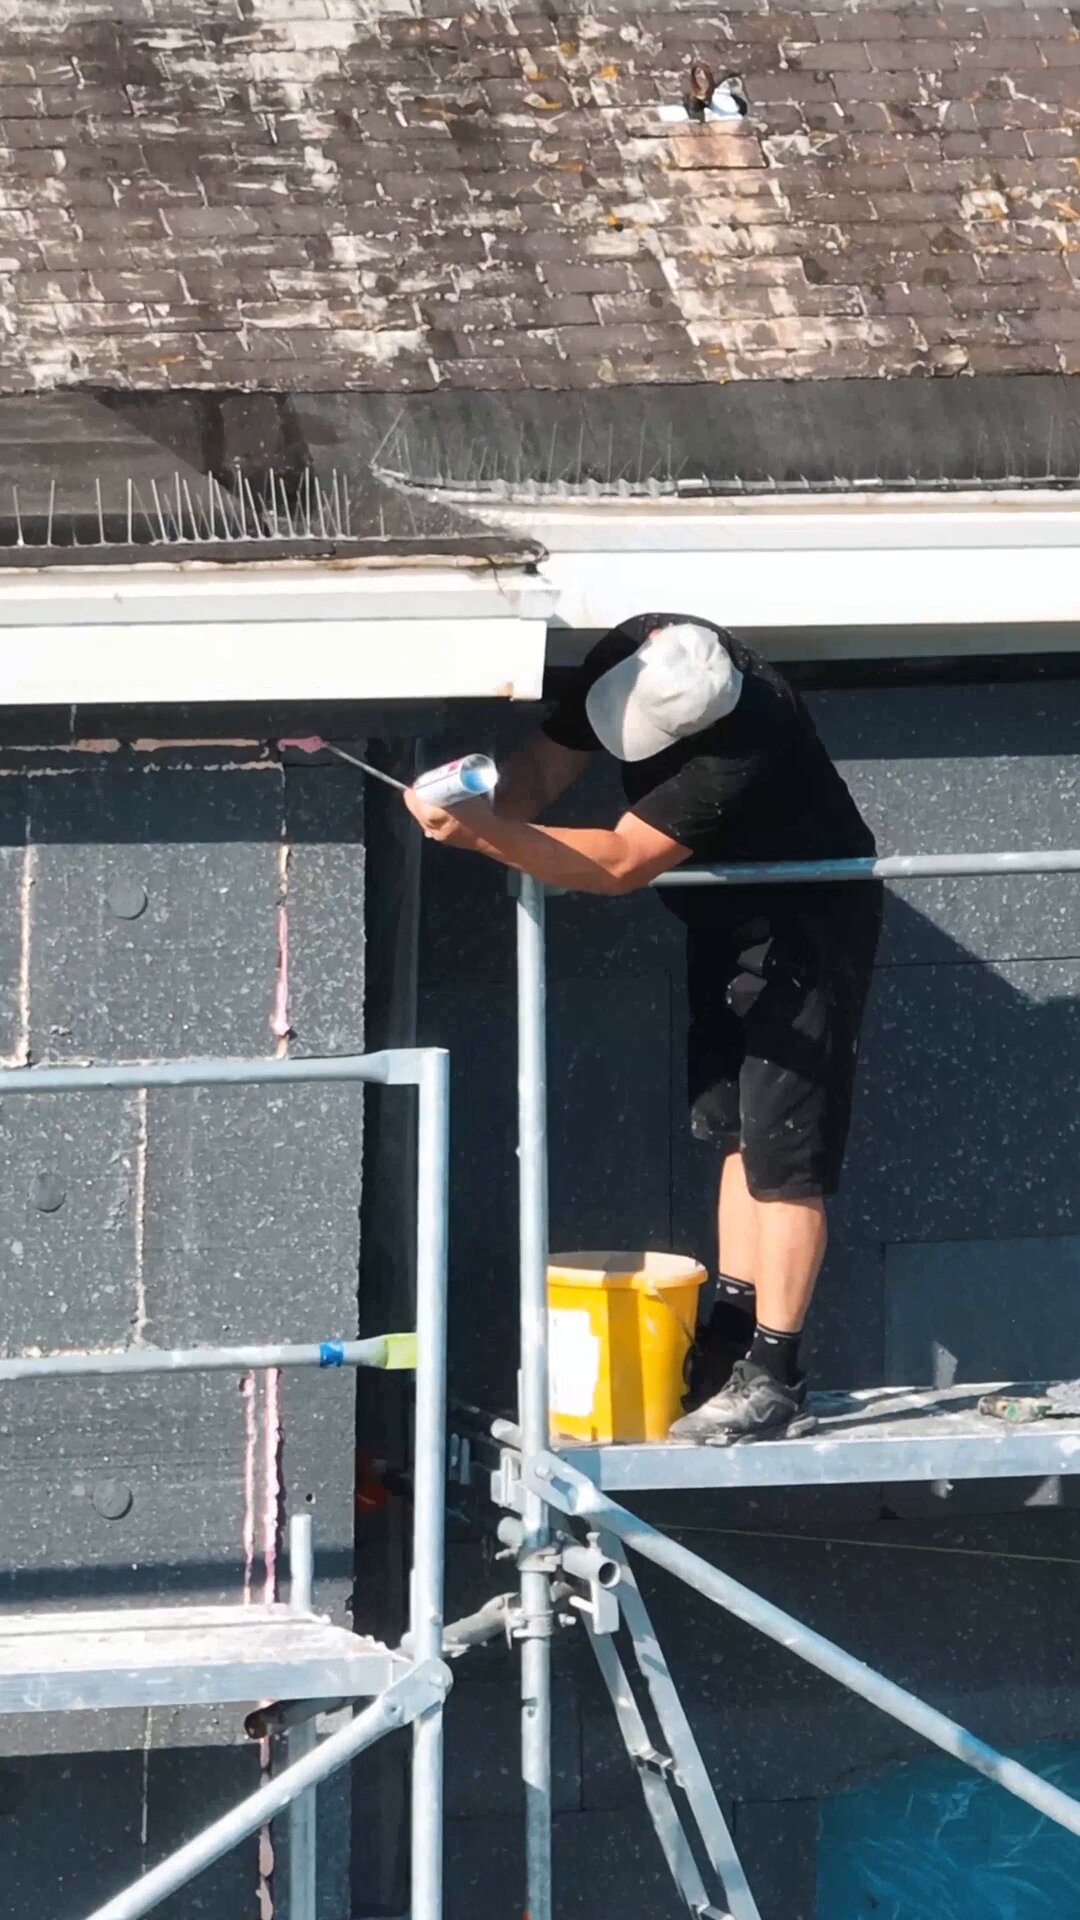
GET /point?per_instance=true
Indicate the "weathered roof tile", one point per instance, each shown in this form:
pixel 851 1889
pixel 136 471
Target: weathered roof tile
pixel 404 194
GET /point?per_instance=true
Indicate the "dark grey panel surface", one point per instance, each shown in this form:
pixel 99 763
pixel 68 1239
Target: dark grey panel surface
pixel 178 1446
pixel 332 1872
pixel 954 922
pixel 185 1790
pixel 252 1232
pixel 14 875
pixel 609 1073
pixel 69 1831
pixel 845 1340
pixel 194 971
pixel 962 727
pixel 983 1310
pixel 604 1865
pixel 483 1188
pixel 483 1746
pixel 235 1292
pixel 154 930
pixel 75 1829
pixel 951 769
pixel 47 1735
pixel 325 829
pixel 968 1118
pixel 953 1601
pixel 255 1167
pixel 777 1843
pixel 610 1154
pixel 68 1229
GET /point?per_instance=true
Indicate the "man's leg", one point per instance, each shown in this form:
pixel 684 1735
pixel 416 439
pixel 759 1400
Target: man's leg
pixel 796 1004
pixel 774 1246
pixel 791 1239
pixel 771 1253
pixel 731 1323
pixel 795 1086
pixel 738 1223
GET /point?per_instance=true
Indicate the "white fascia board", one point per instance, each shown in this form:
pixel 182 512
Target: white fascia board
pixel 860 562
pixel 292 631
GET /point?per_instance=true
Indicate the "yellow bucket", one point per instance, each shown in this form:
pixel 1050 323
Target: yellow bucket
pixel 620 1325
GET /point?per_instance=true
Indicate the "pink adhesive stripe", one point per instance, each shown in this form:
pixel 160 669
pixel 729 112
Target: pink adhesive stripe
pixel 279 1019
pixel 265 1888
pixel 271 1481
pixel 304 743
pixel 271 1496
pixel 247 1535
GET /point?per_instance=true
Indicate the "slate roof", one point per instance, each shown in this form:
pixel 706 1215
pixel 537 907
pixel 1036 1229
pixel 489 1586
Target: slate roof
pixel 333 194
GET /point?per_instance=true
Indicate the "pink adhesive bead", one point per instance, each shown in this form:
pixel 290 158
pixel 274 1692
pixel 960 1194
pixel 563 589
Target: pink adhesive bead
pixel 308 743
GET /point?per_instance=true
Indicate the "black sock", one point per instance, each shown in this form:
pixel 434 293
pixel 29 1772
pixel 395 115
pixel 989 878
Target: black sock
pixel 776 1353
pixel 732 1317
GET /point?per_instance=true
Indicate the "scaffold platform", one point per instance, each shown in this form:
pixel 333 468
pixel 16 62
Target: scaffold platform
pixel 881 1434
pixel 77 1662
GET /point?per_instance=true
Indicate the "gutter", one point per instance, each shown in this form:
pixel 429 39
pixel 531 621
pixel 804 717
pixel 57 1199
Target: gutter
pixel 266 630
pixel 853 564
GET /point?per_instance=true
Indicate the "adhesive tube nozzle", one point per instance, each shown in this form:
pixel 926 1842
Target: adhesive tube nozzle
pixel 314 743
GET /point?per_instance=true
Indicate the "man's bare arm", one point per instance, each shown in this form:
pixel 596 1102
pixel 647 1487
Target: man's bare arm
pixel 577 859
pixel 534 776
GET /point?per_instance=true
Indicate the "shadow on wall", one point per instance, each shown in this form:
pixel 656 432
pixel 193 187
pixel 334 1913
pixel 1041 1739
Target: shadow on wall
pixel 932 1841
pixel 956 1237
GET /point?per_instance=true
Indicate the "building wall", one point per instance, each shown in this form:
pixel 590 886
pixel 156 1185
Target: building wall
pixel 169 901
pixel 956 1254
pixel 961 1180
pixel 408 194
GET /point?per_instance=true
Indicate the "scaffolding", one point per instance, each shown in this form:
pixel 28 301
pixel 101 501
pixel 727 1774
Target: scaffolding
pixel 547 1491
pixel 300 1664
pixel 285 1654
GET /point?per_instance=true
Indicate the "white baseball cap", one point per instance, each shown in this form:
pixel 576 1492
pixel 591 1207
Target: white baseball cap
pixel 680 681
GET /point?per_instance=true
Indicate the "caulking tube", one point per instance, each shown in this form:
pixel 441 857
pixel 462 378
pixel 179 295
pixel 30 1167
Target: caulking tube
pixel 470 778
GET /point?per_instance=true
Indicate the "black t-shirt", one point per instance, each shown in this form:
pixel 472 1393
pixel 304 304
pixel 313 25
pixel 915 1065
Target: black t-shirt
pixel 757 786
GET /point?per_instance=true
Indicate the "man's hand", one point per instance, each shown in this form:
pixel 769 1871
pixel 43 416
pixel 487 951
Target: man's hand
pixel 452 828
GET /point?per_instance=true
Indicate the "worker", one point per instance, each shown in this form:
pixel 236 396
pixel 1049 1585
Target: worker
pixel 720 764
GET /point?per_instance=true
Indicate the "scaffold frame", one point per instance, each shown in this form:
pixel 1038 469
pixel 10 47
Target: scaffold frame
pixel 544 1485
pixel 163 1655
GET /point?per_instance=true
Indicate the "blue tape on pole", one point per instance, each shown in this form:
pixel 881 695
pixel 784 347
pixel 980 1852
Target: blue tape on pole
pixel 331 1353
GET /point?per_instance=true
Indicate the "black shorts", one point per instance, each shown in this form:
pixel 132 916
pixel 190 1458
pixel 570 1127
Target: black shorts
pixel 777 984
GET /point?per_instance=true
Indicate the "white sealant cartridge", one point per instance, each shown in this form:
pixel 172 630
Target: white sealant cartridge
pixel 471 778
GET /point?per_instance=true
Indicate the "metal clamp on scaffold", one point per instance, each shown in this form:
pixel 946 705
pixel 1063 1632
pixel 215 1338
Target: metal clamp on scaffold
pixel 586 1564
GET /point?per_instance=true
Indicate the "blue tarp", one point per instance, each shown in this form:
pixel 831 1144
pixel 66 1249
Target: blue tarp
pixel 931 1841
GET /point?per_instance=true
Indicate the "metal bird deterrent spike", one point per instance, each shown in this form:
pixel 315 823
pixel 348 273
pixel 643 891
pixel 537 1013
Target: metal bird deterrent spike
pixel 184 512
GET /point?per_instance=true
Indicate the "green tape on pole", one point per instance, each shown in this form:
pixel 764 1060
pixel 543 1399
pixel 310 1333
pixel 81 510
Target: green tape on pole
pixel 400 1352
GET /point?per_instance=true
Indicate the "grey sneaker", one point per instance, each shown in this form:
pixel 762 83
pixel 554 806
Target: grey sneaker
pixel 753 1406
pixel 708 1366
